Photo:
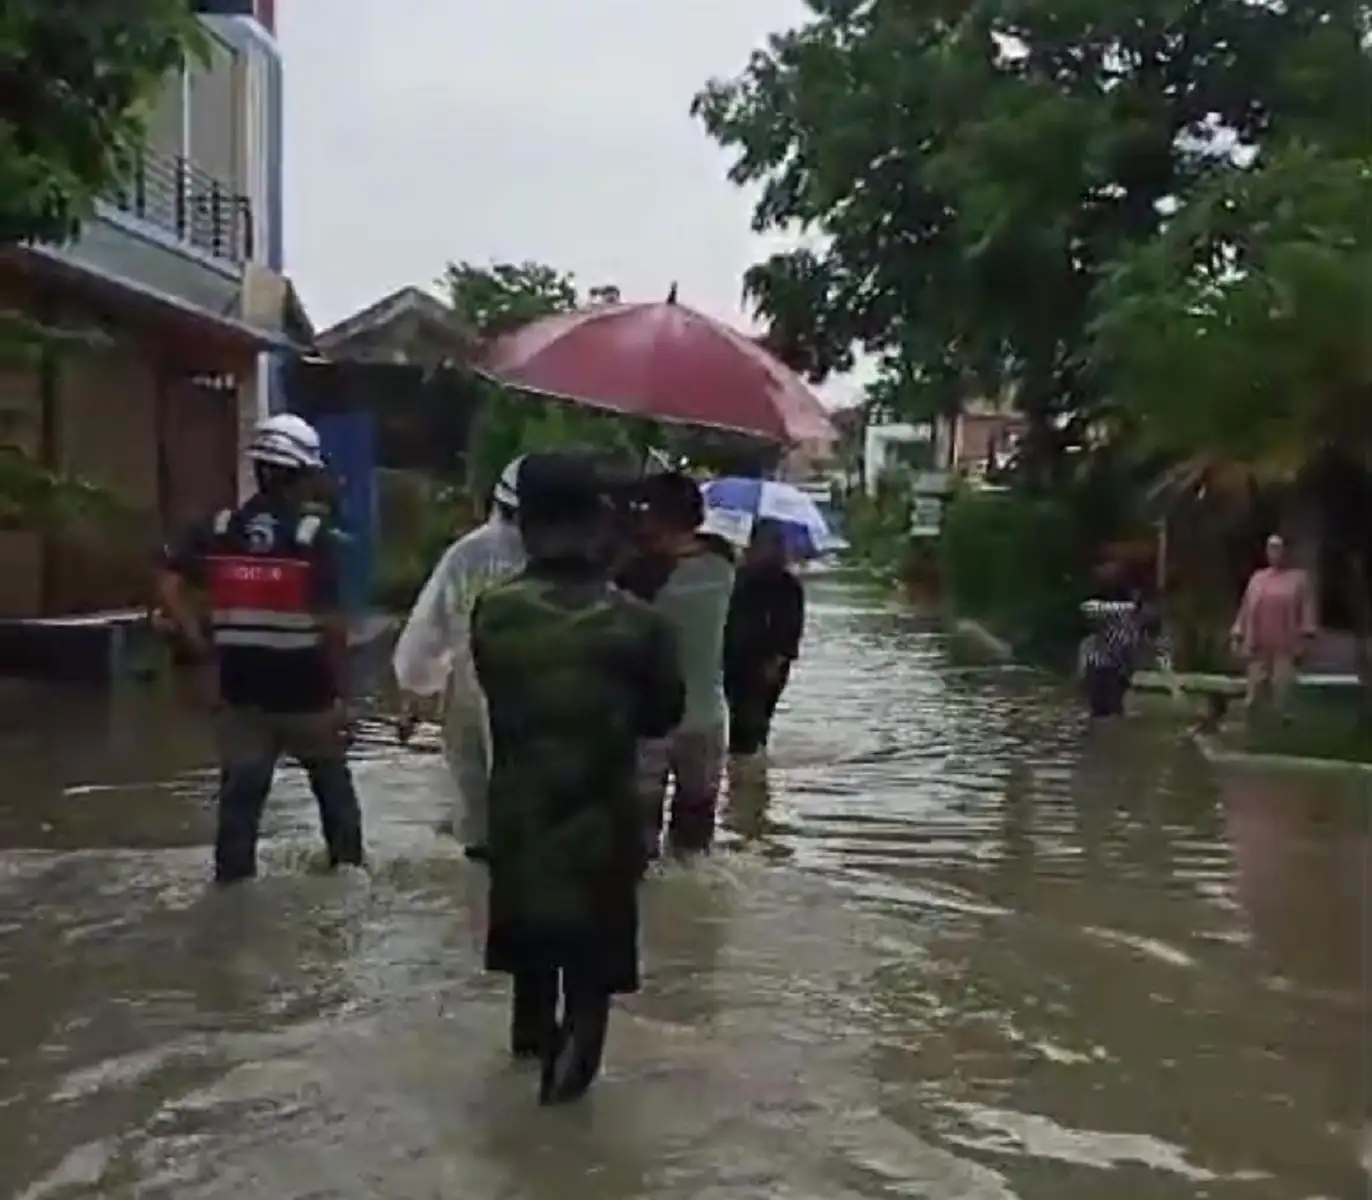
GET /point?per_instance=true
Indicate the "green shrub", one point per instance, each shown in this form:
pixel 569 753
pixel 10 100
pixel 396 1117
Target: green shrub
pixel 418 517
pixel 878 529
pixel 1018 562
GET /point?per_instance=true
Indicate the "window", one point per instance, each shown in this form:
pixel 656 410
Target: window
pixel 197 116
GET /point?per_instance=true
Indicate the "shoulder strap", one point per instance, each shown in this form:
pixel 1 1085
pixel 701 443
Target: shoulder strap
pixel 308 530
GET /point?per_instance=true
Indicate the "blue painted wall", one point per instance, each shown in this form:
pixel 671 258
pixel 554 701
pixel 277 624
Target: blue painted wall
pixel 350 446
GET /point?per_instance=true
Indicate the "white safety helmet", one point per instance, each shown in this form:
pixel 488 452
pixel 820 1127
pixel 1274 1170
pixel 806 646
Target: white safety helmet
pixel 506 492
pixel 286 440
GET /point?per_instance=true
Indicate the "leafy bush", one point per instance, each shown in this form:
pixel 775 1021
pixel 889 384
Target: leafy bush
pixel 1017 561
pixel 1199 632
pixel 878 528
pixel 511 425
pixel 418 518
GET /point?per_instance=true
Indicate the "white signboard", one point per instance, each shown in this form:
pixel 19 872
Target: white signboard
pixel 931 483
pixel 926 516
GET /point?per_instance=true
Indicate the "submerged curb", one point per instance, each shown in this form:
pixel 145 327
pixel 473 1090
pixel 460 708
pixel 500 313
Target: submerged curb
pixel 984 639
pixel 1188 683
pixel 1217 755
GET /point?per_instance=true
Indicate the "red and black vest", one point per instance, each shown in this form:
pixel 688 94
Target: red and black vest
pixel 259 573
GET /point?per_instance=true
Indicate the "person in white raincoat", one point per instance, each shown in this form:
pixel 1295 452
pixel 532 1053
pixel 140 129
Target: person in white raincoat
pixel 433 656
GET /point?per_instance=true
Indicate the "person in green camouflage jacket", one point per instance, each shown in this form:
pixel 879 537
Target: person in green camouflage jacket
pixel 575 673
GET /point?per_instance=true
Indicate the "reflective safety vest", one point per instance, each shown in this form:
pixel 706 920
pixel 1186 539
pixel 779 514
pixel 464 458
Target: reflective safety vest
pixel 262 601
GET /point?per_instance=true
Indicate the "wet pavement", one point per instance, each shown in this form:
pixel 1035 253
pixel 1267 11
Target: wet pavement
pixel 969 950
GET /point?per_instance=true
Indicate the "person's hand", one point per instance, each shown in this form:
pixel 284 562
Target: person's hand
pixel 771 670
pixel 1304 645
pixel 342 720
pixel 205 683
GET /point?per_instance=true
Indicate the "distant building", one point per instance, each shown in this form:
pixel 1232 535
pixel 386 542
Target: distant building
pixel 980 438
pixel 404 361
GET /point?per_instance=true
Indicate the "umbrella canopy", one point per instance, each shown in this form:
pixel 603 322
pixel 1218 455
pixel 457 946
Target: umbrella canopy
pixel 733 506
pixel 665 362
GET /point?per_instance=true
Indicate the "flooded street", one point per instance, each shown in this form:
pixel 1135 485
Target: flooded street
pixel 969 951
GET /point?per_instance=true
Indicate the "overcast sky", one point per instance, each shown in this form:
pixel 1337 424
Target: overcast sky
pixel 419 131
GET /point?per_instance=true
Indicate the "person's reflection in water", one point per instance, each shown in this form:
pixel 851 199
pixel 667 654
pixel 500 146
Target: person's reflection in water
pixel 1303 857
pixel 247 950
pixel 1015 865
pixel 588 1152
pixel 686 921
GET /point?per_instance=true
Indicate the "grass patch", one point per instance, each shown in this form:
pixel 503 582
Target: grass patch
pixel 1324 723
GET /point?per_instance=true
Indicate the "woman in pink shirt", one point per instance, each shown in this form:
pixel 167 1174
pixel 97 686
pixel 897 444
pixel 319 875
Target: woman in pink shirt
pixel 1273 625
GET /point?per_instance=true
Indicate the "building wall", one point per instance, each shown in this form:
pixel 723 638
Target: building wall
pixel 133 417
pixel 225 118
pixel 21 554
pixel 254 37
pixel 979 433
pixel 201 114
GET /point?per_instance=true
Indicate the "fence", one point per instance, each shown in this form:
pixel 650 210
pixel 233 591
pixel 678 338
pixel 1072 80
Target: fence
pixel 197 209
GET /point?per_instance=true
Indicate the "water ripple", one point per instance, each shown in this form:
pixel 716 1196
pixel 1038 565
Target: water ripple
pixel 967 947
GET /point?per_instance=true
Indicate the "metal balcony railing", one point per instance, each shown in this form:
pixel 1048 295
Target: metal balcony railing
pixel 197 209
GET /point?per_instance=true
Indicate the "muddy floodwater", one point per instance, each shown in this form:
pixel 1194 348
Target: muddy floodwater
pixel 969 950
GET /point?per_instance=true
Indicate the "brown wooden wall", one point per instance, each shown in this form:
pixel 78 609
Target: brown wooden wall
pixel 129 418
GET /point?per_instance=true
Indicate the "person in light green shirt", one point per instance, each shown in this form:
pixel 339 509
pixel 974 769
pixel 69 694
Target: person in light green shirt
pixel 694 580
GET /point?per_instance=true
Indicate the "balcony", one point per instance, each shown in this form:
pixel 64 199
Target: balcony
pixel 188 205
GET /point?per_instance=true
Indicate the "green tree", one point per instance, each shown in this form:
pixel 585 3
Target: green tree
pixel 973 171
pixel 1241 341
pixel 78 79
pixel 79 76
pixel 1244 331
pixel 498 299
pixel 502 297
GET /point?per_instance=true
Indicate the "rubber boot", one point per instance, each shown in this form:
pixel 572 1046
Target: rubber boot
pixel 690 833
pixel 577 1052
pixel 533 1014
pixel 745 812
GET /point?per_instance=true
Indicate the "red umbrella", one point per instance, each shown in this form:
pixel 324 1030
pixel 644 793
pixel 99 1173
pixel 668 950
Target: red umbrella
pixel 665 362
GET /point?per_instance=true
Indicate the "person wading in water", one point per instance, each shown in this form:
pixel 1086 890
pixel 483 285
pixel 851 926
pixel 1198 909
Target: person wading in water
pixel 432 655
pixel 688 577
pixel 761 641
pixel 278 643
pixel 575 673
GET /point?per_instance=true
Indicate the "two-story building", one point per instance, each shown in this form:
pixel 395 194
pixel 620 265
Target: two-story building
pixel 174 295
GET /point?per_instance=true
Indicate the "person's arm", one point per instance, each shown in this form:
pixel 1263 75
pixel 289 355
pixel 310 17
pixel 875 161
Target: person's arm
pixel 477 642
pixel 662 691
pixel 180 567
pixel 1238 631
pixel 788 617
pixel 326 580
pixel 423 656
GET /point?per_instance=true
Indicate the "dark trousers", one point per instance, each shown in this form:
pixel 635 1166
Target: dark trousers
pixel 570 1043
pixel 1105 687
pixel 753 697
pixel 252 741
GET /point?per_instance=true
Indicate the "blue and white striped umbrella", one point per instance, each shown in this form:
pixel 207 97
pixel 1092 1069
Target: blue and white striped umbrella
pixel 733 506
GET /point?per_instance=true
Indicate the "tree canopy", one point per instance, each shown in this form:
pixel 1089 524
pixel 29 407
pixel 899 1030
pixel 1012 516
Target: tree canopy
pixel 1244 331
pixel 981 184
pixel 501 297
pixel 496 299
pixel 78 77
